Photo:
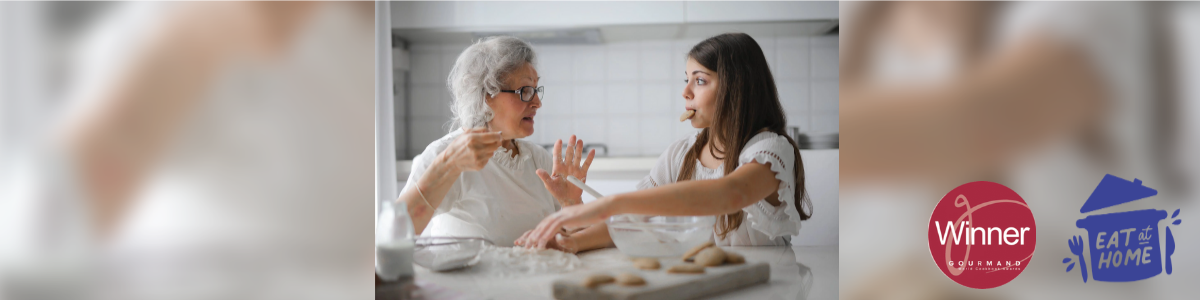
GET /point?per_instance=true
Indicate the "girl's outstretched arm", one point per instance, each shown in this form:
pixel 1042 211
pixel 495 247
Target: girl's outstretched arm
pixel 748 184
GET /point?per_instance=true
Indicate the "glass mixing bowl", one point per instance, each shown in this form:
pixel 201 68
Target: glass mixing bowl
pixel 659 236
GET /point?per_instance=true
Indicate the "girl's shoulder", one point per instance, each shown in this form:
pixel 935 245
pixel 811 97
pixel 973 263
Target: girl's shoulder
pixel 768 146
pixel 768 140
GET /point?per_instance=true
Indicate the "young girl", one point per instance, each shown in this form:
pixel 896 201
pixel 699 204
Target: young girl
pixel 741 167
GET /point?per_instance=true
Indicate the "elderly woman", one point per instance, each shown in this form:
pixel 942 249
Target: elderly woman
pixel 480 180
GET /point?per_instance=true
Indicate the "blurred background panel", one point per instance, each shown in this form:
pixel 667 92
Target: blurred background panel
pixel 1043 97
pixel 35 54
pixel 202 150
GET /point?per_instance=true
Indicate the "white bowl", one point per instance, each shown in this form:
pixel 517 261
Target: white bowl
pixel 448 253
pixel 659 236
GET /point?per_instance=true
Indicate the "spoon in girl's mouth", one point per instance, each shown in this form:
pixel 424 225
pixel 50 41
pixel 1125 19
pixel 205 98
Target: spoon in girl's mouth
pixel 687 115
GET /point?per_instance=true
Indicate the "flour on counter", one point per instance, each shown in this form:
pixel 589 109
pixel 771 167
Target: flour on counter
pixel 517 261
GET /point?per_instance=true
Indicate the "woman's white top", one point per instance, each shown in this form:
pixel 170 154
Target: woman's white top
pixel 764 224
pixel 499 202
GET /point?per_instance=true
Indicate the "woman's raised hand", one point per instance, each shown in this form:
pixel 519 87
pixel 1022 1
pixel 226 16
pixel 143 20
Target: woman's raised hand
pixel 472 150
pixel 565 165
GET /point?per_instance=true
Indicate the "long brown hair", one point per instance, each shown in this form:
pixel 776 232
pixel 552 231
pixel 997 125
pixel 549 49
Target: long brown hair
pixel 747 103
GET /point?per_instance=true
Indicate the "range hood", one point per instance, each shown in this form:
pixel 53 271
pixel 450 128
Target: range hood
pixel 550 37
pixel 620 33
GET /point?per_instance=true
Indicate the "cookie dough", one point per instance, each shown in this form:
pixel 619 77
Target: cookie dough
pixel 630 279
pixel 694 250
pixel 686 269
pixel 710 257
pixel 646 263
pixel 597 280
pixel 734 258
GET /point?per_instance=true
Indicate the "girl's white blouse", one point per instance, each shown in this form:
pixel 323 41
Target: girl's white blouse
pixel 764 224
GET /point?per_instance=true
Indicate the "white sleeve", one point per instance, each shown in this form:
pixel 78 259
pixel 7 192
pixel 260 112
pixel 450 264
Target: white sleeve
pixel 420 164
pixel 782 220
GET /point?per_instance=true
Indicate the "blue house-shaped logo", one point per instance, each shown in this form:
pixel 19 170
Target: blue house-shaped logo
pixel 1121 246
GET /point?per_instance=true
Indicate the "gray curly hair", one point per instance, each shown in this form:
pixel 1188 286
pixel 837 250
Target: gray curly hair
pixel 480 70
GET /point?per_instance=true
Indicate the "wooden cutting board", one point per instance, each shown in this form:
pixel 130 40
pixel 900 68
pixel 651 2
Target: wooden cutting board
pixel 663 285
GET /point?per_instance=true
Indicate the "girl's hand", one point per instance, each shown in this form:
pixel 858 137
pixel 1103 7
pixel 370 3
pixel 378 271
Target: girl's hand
pixel 567 165
pixel 471 150
pixel 563 241
pixel 568 218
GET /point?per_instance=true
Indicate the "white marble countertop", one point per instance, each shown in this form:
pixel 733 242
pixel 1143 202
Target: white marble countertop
pixel 797 272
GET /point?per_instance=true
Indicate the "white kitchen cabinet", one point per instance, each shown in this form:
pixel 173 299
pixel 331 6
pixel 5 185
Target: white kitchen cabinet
pixel 504 16
pixel 498 16
pixel 759 11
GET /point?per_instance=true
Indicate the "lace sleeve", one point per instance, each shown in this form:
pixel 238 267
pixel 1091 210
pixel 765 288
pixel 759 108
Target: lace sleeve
pixel 782 220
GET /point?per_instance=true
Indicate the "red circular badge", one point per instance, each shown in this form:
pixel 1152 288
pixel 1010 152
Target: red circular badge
pixel 982 235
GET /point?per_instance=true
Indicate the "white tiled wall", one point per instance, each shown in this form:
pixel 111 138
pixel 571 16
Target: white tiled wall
pixel 628 95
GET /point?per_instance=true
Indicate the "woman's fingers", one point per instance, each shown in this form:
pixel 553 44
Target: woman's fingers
pixel 535 239
pixel 485 145
pixel 570 155
pixel 586 165
pixel 531 240
pixel 554 224
pixel 489 139
pixel 557 155
pixel 521 240
pixel 484 136
pixel 547 233
pixel 576 215
pixel 578 154
pixel 545 176
pixel 564 243
pixel 474 148
pixel 574 231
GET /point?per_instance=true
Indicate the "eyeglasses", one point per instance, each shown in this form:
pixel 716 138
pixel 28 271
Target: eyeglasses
pixel 526 92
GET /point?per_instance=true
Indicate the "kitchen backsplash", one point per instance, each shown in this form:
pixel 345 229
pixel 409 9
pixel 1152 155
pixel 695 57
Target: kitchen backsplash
pixel 628 95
